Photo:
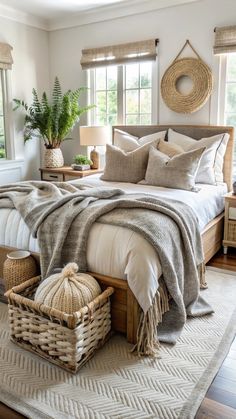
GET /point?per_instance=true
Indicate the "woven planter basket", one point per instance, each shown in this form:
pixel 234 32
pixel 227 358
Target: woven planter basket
pixel 18 270
pixel 67 340
pixel 202 80
pixel 53 157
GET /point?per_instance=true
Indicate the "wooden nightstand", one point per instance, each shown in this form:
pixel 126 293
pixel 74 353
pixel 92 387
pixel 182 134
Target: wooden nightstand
pixel 65 173
pixel 230 222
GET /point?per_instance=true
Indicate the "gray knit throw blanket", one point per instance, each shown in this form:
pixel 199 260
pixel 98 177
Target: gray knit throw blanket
pixel 60 216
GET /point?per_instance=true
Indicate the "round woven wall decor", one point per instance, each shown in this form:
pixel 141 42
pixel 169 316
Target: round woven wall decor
pixel 201 77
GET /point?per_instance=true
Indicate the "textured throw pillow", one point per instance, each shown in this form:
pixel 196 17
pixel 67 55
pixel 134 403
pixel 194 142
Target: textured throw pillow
pixel 211 166
pixel 178 172
pixel 128 142
pixel 126 167
pixel 170 150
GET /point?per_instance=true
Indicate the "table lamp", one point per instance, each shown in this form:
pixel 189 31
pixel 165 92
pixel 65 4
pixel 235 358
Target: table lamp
pixel 94 136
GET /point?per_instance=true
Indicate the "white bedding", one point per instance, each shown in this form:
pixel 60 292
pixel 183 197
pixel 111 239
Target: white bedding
pixel 116 251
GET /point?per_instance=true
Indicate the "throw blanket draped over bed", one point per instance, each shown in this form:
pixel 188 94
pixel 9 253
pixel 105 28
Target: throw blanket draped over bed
pixel 60 216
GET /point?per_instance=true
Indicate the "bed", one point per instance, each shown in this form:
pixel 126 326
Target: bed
pixel 208 204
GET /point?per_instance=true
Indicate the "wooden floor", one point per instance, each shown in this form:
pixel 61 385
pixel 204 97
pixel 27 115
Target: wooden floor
pixel 220 400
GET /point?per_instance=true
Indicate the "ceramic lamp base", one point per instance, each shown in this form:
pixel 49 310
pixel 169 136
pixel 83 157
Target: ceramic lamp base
pixel 94 156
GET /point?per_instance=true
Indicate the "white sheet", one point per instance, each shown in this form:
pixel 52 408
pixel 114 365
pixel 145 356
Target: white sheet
pixel 116 251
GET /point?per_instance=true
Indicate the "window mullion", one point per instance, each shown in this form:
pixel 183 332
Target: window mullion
pixel 8 120
pixel 120 95
pixel 139 93
pixel 154 94
pixel 106 100
pixel 222 91
pixel 91 76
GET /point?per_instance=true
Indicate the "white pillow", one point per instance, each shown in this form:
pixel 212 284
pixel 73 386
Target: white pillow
pixel 211 165
pixel 128 142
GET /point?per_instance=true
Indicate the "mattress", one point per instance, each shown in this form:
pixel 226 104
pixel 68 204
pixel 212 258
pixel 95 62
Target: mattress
pixel 117 251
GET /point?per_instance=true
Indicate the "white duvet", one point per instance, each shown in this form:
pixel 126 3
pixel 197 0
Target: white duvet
pixel 117 251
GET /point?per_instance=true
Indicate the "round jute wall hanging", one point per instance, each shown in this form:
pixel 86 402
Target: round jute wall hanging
pixel 198 72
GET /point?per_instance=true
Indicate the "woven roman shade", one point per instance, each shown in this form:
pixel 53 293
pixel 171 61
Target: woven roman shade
pixel 5 56
pixel 119 54
pixel 225 40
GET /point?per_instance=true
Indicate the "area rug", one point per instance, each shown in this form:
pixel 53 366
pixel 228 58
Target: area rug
pixel 117 384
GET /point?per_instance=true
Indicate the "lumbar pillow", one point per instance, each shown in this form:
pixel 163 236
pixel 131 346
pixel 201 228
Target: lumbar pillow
pixel 126 167
pixel 211 165
pixel 170 150
pixel 178 172
pixel 128 142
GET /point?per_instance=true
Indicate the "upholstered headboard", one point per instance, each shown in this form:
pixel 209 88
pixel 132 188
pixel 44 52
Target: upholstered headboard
pixel 194 131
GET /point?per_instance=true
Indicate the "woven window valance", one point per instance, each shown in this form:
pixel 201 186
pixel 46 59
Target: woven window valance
pixel 5 56
pixel 225 40
pixel 119 54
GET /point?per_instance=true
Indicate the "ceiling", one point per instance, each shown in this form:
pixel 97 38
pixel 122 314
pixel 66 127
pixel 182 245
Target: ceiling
pixel 54 9
pixel 58 14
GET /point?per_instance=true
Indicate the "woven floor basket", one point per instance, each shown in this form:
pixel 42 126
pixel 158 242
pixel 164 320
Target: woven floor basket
pixel 67 340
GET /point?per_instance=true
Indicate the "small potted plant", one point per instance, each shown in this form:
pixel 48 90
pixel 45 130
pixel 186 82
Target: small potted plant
pixel 81 162
pixel 52 120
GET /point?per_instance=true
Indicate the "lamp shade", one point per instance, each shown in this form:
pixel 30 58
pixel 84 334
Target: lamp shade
pixel 94 135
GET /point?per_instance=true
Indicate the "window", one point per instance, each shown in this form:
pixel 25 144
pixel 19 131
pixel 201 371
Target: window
pixel 105 95
pixel 230 96
pixel 2 116
pixel 123 94
pixel 6 140
pixel 138 93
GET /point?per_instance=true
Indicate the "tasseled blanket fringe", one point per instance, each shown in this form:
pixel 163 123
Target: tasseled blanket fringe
pixel 201 273
pixel 147 339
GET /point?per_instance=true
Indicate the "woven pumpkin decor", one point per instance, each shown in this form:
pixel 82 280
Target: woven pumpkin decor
pixel 201 77
pixel 68 291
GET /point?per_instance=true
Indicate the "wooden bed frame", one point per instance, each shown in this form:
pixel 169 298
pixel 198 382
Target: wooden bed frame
pixel 125 308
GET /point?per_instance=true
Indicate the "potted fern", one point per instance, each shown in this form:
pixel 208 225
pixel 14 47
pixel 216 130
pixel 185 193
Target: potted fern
pixel 52 121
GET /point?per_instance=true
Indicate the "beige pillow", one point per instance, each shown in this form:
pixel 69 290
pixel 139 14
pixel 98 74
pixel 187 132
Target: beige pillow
pixel 170 150
pixel 178 172
pixel 128 142
pixel 126 167
pixel 211 166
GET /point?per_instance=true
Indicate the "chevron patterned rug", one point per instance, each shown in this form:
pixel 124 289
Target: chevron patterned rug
pixel 117 384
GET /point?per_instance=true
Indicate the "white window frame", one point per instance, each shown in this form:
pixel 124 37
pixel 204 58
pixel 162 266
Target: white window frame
pixel 8 117
pixel 219 99
pixel 121 95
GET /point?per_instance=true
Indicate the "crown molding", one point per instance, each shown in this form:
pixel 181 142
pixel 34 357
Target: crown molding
pixel 22 17
pixel 119 10
pixel 98 14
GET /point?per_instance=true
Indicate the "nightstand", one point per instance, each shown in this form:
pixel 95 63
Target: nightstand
pixel 230 222
pixel 65 173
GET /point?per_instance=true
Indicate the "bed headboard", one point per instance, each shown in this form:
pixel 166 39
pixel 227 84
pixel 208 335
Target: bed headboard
pixel 195 131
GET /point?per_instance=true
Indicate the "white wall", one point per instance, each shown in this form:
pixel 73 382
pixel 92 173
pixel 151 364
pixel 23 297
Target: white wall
pixel 194 21
pixel 30 69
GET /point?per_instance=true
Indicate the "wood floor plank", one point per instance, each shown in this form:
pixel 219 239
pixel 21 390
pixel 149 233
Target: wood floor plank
pixel 7 413
pixel 224 261
pixel 224 384
pixel 210 409
pixel 222 396
pixel 230 363
pixel 227 373
pixel 232 353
